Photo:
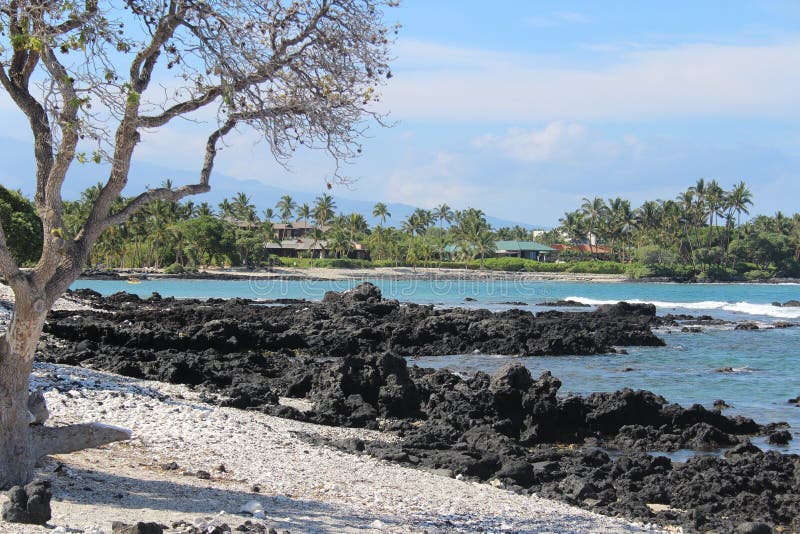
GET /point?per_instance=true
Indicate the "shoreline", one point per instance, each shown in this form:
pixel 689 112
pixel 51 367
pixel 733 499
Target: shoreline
pixel 302 486
pixel 376 273
pixel 327 274
pixel 337 440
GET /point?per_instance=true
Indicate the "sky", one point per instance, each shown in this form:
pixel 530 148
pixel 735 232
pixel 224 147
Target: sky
pixel 522 108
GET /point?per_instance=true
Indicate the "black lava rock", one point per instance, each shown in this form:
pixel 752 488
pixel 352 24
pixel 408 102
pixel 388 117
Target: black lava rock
pixel 139 528
pixel 753 528
pixel 781 437
pixel 30 504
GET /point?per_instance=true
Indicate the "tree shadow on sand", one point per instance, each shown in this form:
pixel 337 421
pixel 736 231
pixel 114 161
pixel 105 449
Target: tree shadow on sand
pixel 86 487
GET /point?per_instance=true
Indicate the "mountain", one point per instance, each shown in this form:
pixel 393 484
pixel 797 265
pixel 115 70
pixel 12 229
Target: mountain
pixel 17 170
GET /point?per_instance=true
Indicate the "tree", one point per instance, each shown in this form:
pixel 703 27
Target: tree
pixel 443 214
pixel 87 78
pixel 473 234
pixel 381 210
pixel 206 237
pixel 286 207
pixel 225 208
pixel 243 209
pixel 573 224
pixel 324 209
pixel 594 210
pixel 205 210
pixel 739 199
pixel 18 217
pixel 304 212
pixel 357 226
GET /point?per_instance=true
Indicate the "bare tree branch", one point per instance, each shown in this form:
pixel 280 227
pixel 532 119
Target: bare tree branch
pixel 90 10
pixel 176 194
pixel 180 109
pixel 145 61
pixel 16 85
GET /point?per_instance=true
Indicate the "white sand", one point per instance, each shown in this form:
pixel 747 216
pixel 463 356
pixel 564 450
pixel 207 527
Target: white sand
pixel 421 273
pixel 304 488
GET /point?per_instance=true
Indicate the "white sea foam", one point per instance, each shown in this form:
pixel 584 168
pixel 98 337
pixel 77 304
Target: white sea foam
pixel 746 308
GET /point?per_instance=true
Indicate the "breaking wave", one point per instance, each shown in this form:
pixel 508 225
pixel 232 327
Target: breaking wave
pixel 746 308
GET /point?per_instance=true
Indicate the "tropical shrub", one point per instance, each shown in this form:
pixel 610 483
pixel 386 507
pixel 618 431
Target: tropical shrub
pixel 718 274
pixel 22 226
pixel 758 274
pixel 175 268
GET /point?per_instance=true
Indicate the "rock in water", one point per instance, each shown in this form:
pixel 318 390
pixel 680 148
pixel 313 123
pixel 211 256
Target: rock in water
pixel 781 437
pixel 364 292
pixel 30 504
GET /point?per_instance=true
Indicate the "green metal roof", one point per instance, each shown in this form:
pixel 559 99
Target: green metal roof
pixel 522 246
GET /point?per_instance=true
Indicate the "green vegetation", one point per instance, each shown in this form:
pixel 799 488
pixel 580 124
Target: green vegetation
pixel 698 236
pixel 22 226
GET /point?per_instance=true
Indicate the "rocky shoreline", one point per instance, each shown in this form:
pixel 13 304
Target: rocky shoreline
pixel 345 356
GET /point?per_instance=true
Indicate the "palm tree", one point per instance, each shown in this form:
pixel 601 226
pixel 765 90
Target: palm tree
pixel 285 208
pixel 187 210
pixel 242 208
pixel 316 236
pixel 739 199
pixel 381 210
pixel 357 225
pixel 714 196
pixel 474 234
pixel 574 225
pixel 338 241
pixel 324 208
pixel 205 210
pixel 648 217
pixel 594 210
pixel 304 212
pixel 409 225
pixel 699 191
pixel 443 213
pixel 376 243
pixel 226 208
pixel 416 223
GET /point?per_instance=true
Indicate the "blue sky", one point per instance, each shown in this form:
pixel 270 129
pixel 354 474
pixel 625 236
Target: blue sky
pixel 521 108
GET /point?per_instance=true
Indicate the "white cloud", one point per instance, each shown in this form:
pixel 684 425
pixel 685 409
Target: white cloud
pixel 558 18
pixel 557 140
pixel 442 179
pixel 572 16
pixel 445 83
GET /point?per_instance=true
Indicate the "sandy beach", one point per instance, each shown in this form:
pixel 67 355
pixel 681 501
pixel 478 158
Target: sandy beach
pixel 194 462
pixel 200 464
pixel 393 273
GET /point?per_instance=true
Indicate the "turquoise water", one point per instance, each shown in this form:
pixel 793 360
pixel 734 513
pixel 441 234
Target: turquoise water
pixel 766 362
pixel 729 299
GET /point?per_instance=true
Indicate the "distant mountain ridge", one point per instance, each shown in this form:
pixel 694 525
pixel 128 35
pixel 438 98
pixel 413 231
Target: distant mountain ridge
pixel 17 166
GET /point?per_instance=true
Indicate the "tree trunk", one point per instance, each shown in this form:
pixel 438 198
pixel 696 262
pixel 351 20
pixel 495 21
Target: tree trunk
pixel 21 445
pixel 17 451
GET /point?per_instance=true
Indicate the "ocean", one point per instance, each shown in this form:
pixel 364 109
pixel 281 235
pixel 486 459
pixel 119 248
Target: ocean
pixel 764 363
